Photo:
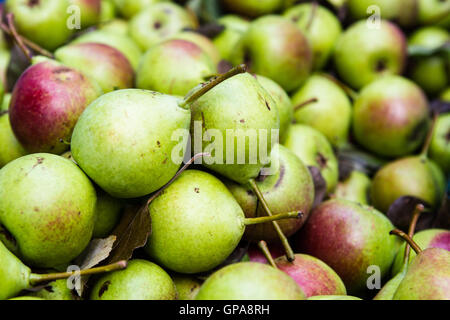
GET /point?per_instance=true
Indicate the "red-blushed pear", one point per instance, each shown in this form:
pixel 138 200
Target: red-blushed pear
pixel 291 188
pixel 250 281
pixel 255 254
pixel 321 27
pixel 364 53
pixel 337 298
pixel 391 117
pixel 46 103
pixel 253 8
pixel 275 47
pixel 323 105
pixel 44 22
pixel 350 238
pixel 159 22
pixel 203 42
pixel 104 64
pixel 431 238
pixel 89 11
pixel 174 67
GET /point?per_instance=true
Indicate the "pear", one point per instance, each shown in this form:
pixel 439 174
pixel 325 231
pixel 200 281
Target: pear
pixel 4 106
pixel 242 281
pixel 121 42
pixel 107 11
pixel 334 298
pixel 253 8
pixel 313 148
pixel 187 286
pixel 107 211
pixel 56 202
pixel 365 54
pixel 254 253
pixel 90 11
pixel 104 64
pixel 141 280
pixel 391 117
pixel 196 224
pixel 415 176
pixel 430 73
pixel 314 276
pixel 284 105
pixel 319 102
pixel 174 67
pixel 15 276
pixel 159 22
pixel 290 189
pixel 321 27
pixel 262 44
pixel 431 238
pixel 10 148
pixel 26 298
pixel 44 22
pixel 56 290
pixel 440 143
pixel 129 8
pixel 234 28
pixel 355 188
pixel 46 102
pixel 433 11
pixel 203 42
pixel 115 26
pixel 349 237
pixel 428 275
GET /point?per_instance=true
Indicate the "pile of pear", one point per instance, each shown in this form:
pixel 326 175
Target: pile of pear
pixel 106 118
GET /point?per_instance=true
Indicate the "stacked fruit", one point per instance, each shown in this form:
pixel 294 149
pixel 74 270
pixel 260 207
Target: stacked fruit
pixel 225 149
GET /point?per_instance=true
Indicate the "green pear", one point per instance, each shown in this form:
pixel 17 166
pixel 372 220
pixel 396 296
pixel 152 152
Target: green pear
pixel 391 117
pixel 445 96
pixel 10 148
pixel 196 224
pixel 90 11
pixel 106 65
pixel 5 59
pixel 107 11
pixel 284 105
pixel 159 22
pixel 174 67
pixel 187 286
pixel 4 106
pixel 433 11
pixel 250 281
pixel 275 47
pixel 430 73
pixel 412 176
pixel 16 277
pixel 121 42
pixel 364 54
pixel 115 26
pixel 26 298
pixel 44 22
pixel 141 280
pixel 123 141
pixel 107 211
pixel 313 148
pixel 323 105
pixel 56 290
pixel 253 8
pixel 355 188
pixel 334 298
pixel 234 28
pixel 129 8
pixel 290 189
pixel 431 238
pixel 321 27
pixel 440 143
pixel 56 202
pixel 203 42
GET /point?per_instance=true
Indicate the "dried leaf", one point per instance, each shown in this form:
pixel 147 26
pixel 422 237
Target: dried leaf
pixel 351 159
pixel 442 220
pixel 97 251
pixel 132 232
pixel 401 211
pixel 320 186
pixel 440 107
pixel 16 67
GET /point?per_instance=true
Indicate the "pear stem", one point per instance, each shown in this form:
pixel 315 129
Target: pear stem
pixel 349 91
pixel 197 93
pixel 281 216
pixel 16 37
pixel 265 250
pixel 284 241
pixel 407 238
pixel 412 228
pixel 305 103
pixel 40 278
pixel 426 146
